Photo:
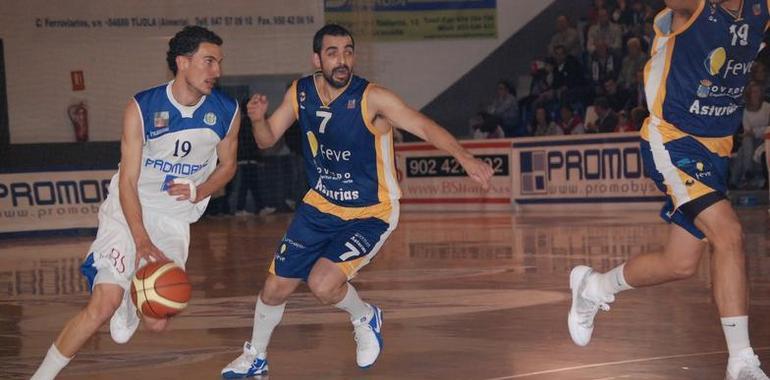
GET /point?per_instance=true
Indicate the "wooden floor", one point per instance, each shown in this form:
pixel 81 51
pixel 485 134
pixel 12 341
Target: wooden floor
pixel 465 296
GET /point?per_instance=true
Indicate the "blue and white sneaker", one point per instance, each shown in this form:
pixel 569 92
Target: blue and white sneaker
pixel 250 363
pixel 368 336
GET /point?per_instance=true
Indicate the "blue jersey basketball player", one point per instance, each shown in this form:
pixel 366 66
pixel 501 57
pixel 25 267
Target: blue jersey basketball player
pixel 694 83
pixel 352 206
pixel 173 136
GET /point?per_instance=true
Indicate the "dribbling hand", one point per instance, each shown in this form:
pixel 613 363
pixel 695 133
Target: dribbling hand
pixel 257 107
pixel 149 252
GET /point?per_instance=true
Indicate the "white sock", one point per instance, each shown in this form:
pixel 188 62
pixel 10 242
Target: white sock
pixel 266 317
pixel 53 363
pixel 736 331
pixel 354 305
pixel 614 281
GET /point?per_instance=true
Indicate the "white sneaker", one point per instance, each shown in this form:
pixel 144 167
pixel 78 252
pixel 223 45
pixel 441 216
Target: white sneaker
pixel 745 367
pixel 250 363
pixel 125 321
pixel 267 211
pixel 368 336
pixel 584 304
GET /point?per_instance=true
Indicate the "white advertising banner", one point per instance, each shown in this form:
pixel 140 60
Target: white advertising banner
pixel 596 170
pixel 49 201
pixel 433 180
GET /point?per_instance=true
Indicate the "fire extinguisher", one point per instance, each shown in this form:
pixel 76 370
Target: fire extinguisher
pixel 78 114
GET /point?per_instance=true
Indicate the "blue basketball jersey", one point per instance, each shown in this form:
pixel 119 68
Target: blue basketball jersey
pixel 350 165
pixel 179 142
pixel 695 78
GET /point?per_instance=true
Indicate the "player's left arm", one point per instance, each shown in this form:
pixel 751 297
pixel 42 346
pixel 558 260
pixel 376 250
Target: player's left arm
pixel 384 103
pixel 227 150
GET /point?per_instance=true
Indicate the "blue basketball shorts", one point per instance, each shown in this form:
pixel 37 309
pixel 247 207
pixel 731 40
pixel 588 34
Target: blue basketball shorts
pixel 312 235
pixel 691 170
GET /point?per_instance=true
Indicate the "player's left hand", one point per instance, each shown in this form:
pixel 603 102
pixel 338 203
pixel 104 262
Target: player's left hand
pixel 479 171
pixel 183 189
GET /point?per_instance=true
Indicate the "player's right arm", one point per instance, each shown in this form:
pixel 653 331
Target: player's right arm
pixel 267 131
pixel 130 165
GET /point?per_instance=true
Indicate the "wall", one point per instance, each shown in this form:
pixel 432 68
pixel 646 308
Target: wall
pixel 44 42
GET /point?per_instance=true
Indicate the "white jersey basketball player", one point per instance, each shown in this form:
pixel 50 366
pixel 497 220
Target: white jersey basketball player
pixel 178 147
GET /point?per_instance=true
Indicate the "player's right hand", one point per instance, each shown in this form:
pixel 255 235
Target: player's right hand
pixel 149 252
pixel 257 107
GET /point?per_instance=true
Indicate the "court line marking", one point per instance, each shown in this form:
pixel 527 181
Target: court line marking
pixel 605 364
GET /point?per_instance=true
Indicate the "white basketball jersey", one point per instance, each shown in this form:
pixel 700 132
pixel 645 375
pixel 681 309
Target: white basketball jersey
pixel 179 142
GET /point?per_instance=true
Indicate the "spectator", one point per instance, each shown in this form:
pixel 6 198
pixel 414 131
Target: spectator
pixel 621 15
pixel 759 75
pixel 633 62
pixel 566 36
pixel 744 171
pixel 593 12
pixel 606 30
pixel 604 65
pixel 542 124
pixel 568 79
pixel 485 128
pixel 571 123
pixel 504 109
pixel 607 119
pixel 624 122
pixel 640 13
pixel 617 96
pixel 638 115
pixel 648 34
pixel 637 96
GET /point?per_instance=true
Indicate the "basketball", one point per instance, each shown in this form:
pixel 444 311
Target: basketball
pixel 160 289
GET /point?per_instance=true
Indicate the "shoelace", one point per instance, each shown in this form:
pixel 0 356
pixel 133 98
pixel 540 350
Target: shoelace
pixel 245 360
pixel 360 330
pixel 587 316
pixel 752 370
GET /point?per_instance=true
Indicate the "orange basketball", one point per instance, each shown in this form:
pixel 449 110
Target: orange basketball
pixel 160 289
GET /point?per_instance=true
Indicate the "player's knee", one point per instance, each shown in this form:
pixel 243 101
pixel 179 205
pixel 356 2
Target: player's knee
pixel 325 292
pixel 684 269
pixel 272 298
pixel 729 239
pixel 274 294
pixel 103 306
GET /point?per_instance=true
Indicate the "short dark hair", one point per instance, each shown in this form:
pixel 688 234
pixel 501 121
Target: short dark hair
pixel 186 42
pixel 602 102
pixel 330 30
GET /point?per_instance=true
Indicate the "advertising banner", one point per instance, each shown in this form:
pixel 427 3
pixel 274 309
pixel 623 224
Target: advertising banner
pixel 433 180
pixel 45 201
pixel 401 20
pixel 589 170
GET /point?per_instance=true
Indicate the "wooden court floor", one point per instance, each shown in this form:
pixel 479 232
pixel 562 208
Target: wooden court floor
pixel 477 296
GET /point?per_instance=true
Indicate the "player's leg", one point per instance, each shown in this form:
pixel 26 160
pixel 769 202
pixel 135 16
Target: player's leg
pixel 271 302
pixel 728 268
pixel 593 291
pixel 103 303
pixel 353 247
pixel 675 168
pixel 292 263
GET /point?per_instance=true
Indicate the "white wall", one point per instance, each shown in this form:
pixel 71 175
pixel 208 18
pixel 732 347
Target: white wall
pixel 117 62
